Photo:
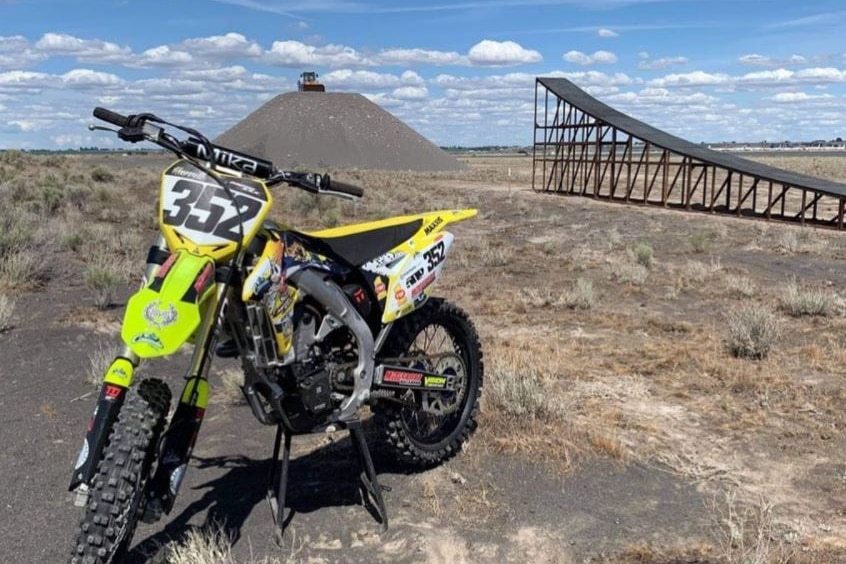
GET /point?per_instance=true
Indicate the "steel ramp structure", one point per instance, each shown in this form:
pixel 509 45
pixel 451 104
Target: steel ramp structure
pixel 587 148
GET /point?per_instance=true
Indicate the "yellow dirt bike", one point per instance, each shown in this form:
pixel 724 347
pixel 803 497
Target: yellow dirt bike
pixel 324 323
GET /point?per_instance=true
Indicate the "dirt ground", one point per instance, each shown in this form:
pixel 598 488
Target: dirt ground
pixel 647 441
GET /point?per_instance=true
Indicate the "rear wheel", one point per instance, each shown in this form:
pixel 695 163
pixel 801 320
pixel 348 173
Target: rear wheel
pixel 117 492
pixel 438 338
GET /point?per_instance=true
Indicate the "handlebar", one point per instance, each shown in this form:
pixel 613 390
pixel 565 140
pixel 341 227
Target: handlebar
pixel 343 188
pixel 111 117
pixel 135 128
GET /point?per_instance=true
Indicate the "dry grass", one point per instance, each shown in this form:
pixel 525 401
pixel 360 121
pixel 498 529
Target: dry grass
pixel 104 276
pixel 747 534
pixel 752 331
pixel 581 296
pixel 798 300
pixel 695 272
pixel 229 390
pixel 24 270
pixel 643 254
pixel 517 388
pixel 628 272
pixel 579 259
pixel 701 241
pixel 791 242
pixel 213 545
pixel 739 287
pixel 99 360
pixel 493 254
pixel 7 310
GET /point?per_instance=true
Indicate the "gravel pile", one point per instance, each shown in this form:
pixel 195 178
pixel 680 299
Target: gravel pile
pixel 334 130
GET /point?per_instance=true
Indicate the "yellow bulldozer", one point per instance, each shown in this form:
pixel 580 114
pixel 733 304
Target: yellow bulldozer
pixel 308 83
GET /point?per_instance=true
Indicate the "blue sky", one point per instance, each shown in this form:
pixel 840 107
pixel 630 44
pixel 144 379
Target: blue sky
pixel 460 73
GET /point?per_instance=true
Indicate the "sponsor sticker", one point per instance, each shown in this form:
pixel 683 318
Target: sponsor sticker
pixel 150 339
pixel 417 290
pixel 383 264
pixel 83 455
pixel 166 266
pixel 434 381
pixel 399 294
pixel 112 392
pixel 415 277
pixel 158 316
pixel 381 289
pixel 401 377
pixel 434 225
pixel 203 279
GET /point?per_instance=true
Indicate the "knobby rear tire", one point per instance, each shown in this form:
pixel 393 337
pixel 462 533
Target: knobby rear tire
pixel 393 419
pixel 112 513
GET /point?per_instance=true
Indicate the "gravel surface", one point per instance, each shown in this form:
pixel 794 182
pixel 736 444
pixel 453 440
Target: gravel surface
pixel 320 129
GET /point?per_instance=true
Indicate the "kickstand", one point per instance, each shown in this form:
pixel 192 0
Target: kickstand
pixel 278 483
pixel 369 482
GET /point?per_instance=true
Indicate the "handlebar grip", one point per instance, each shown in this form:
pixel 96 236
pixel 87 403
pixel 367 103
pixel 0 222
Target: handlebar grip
pixel 344 188
pixel 112 117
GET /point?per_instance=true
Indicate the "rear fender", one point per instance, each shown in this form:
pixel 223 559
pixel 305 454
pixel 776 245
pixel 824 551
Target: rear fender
pixel 166 312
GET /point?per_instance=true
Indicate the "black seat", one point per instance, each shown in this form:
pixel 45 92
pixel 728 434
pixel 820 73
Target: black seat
pixel 358 248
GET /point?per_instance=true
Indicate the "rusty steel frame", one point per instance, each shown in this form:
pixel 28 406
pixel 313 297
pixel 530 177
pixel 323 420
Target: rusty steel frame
pixel 578 153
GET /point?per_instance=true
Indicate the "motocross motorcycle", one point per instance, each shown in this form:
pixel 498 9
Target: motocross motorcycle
pixel 327 325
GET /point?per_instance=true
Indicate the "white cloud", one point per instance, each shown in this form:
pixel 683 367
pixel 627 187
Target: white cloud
pixel 412 78
pixel 347 79
pixel 606 33
pixel 26 81
pixel 85 50
pixel 598 58
pixel 16 53
pixel 87 78
pixel 695 78
pixel 525 82
pixel 598 79
pixel 298 54
pixel 411 93
pixel 764 61
pixel 662 97
pixel 502 54
pixel 224 74
pixel 420 56
pixel 27 124
pixel 229 46
pixel 793 97
pixel 820 75
pixel 661 64
pixel 163 56
pixel 71 140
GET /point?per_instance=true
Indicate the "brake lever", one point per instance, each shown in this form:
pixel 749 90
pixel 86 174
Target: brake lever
pixel 131 134
pixel 92 127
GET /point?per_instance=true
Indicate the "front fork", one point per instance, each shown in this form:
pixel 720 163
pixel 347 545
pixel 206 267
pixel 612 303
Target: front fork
pixel 178 440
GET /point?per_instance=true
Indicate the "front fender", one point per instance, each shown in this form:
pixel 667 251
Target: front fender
pixel 165 313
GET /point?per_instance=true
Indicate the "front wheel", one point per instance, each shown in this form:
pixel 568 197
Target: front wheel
pixel 117 494
pixel 439 338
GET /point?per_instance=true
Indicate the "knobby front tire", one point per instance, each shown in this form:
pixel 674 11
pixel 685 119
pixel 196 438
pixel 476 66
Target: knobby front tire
pixel 116 501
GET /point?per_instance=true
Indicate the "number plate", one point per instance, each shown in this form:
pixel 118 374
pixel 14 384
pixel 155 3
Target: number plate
pixel 199 209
